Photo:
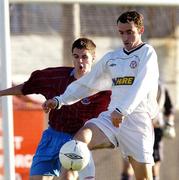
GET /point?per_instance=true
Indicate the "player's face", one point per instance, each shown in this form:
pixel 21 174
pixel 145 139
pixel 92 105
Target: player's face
pixel 130 35
pixel 82 60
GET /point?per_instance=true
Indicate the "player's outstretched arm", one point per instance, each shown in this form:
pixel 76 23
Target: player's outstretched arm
pixel 15 90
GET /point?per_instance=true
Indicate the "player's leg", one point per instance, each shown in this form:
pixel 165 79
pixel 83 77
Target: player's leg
pixel 89 171
pixel 156 171
pixel 68 175
pixel 127 171
pixel 44 170
pixel 158 153
pixel 95 138
pixel 45 164
pixel 136 138
pixel 142 171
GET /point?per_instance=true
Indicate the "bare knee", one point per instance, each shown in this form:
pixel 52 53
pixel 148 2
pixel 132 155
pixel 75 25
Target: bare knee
pixel 84 134
pixel 93 137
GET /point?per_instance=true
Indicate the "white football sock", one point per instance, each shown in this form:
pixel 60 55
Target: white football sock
pixel 89 171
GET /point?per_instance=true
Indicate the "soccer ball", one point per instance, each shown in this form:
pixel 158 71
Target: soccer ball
pixel 74 155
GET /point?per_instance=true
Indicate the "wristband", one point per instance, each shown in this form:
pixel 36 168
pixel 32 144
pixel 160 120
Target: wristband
pixel 57 102
pixel 119 111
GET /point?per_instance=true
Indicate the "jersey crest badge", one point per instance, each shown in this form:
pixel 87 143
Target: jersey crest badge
pixel 133 64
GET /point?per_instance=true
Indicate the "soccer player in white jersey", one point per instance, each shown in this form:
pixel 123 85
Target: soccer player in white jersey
pixel 164 127
pixel 132 74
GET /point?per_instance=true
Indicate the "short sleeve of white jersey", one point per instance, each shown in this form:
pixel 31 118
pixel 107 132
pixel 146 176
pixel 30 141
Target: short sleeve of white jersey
pixel 96 80
pixel 145 83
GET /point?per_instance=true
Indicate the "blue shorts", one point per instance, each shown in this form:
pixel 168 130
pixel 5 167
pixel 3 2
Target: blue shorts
pixel 46 159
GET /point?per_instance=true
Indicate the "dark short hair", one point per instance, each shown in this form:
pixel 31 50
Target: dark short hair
pixel 131 16
pixel 84 43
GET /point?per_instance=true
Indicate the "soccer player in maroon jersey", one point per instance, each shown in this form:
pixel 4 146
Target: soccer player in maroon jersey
pixel 65 122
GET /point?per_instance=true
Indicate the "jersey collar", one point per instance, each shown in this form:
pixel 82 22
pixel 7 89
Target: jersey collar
pixel 135 49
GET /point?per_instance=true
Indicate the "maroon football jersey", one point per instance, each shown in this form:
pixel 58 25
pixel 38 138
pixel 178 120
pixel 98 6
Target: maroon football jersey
pixel 51 82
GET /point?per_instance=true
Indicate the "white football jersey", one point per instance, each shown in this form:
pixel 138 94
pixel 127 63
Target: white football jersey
pixel 131 75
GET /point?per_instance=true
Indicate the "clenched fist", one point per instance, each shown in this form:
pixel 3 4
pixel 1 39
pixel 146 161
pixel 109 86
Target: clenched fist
pixel 116 118
pixel 49 104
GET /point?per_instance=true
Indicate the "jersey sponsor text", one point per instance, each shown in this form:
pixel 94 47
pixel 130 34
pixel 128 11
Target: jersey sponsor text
pixel 127 80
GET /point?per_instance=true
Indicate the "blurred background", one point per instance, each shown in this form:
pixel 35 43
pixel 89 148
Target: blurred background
pixel 41 37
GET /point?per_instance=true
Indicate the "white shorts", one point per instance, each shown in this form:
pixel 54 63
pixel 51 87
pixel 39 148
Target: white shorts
pixel 134 137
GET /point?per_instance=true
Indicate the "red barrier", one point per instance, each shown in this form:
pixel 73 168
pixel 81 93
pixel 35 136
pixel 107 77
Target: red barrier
pixel 28 127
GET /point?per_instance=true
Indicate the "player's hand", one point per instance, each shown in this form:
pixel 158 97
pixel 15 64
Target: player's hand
pixel 169 131
pixel 49 104
pixel 116 118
